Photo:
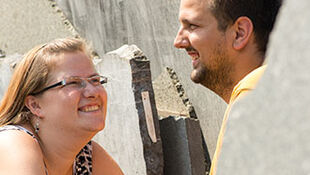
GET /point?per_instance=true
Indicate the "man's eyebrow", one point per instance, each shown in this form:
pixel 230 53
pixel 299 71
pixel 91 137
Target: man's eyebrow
pixel 185 21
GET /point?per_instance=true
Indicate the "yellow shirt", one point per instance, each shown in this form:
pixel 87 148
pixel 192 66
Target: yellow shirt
pixel 247 84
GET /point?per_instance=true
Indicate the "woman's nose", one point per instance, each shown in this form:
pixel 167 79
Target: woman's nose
pixel 91 91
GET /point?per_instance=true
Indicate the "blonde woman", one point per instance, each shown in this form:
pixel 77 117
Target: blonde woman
pixel 54 105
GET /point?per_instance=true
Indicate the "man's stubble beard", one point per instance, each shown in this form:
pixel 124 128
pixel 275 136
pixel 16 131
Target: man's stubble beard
pixel 216 75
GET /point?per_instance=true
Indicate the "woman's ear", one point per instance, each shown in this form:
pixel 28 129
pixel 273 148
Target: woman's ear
pixel 243 28
pixel 32 103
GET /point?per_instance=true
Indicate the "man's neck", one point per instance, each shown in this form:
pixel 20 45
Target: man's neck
pixel 225 91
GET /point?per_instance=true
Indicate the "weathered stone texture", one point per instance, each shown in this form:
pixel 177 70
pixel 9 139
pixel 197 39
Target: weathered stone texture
pixel 25 24
pixel 127 136
pixel 182 146
pixel 7 65
pixel 142 82
pixel 170 96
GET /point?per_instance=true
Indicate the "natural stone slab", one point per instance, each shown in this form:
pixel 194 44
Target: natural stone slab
pixel 170 96
pixel 129 136
pixel 182 146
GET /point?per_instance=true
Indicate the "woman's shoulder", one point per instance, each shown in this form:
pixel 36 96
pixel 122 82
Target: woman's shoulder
pixel 17 137
pixel 103 163
pixel 19 149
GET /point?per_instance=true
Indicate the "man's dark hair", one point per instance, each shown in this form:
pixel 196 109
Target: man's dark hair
pixel 261 12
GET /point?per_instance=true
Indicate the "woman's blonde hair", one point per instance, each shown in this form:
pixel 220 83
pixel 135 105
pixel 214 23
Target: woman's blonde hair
pixel 31 76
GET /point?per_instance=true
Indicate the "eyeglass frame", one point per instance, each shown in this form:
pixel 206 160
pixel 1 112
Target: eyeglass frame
pixel 64 83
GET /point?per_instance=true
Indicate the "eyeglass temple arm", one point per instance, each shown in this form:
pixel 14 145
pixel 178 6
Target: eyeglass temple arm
pixel 52 86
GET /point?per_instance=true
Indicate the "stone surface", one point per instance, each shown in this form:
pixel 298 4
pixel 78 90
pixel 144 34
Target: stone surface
pixel 25 24
pixel 109 24
pixel 182 145
pixel 2 54
pixel 127 134
pixel 168 95
pixel 268 130
pixel 171 100
pixel 7 65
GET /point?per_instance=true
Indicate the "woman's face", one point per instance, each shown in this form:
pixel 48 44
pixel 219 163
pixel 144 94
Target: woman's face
pixel 70 108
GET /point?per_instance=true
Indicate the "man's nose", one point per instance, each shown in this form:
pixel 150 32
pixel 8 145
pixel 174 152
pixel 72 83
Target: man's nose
pixel 181 40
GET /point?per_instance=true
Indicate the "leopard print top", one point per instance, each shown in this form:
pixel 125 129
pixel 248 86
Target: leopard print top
pixel 83 161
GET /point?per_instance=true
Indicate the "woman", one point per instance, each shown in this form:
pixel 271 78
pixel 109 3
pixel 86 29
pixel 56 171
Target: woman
pixel 54 105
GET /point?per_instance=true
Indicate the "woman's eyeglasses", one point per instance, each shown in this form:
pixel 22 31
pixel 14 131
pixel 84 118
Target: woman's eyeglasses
pixel 77 82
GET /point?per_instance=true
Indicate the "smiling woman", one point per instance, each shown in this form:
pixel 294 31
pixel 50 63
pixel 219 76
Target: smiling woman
pixel 54 105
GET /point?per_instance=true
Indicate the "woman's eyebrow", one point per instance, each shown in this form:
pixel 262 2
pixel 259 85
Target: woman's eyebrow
pixel 92 75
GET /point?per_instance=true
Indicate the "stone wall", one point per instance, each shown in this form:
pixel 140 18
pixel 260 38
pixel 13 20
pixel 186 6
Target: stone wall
pixel 25 24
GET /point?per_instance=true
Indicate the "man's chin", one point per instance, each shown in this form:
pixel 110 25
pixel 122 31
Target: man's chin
pixel 197 77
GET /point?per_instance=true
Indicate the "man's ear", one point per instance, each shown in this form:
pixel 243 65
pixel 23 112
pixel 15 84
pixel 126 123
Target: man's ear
pixel 243 28
pixel 33 105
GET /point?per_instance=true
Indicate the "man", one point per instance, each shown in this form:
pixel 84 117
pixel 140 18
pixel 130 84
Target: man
pixel 226 40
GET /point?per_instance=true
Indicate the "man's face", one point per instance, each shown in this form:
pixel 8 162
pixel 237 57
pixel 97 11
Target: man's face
pixel 205 44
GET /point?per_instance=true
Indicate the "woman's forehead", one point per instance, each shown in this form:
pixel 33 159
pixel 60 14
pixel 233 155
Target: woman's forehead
pixel 73 64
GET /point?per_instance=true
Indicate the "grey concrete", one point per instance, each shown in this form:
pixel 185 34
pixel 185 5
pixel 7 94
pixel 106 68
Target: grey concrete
pixel 126 135
pixel 151 26
pixel 26 23
pixel 268 130
pixel 2 54
pixel 167 96
pixel 6 70
pixel 182 145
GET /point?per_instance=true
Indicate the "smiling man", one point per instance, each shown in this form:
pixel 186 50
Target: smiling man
pixel 226 40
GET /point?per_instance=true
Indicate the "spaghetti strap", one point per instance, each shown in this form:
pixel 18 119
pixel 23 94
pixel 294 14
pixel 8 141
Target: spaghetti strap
pixel 17 127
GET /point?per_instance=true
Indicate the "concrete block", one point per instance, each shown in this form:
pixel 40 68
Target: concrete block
pixel 182 146
pixel 268 130
pixel 132 127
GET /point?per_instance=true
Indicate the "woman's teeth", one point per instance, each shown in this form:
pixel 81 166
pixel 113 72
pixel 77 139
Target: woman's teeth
pixel 90 108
